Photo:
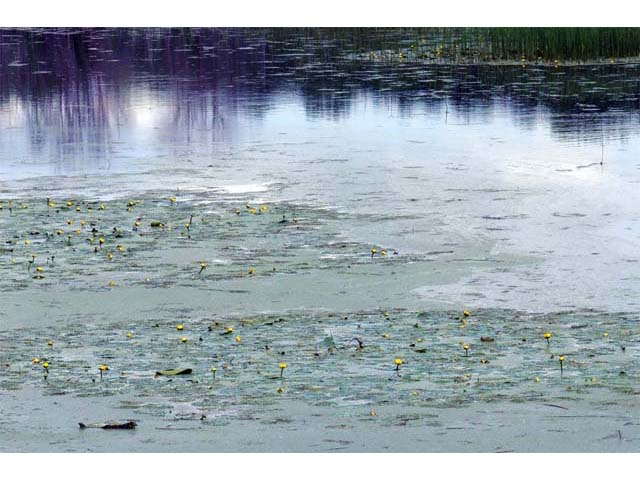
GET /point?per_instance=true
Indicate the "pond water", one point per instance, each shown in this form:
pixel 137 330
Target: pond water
pixel 334 190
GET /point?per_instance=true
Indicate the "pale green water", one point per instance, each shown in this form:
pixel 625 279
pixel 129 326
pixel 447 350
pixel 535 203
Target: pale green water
pixel 482 183
pixel 323 294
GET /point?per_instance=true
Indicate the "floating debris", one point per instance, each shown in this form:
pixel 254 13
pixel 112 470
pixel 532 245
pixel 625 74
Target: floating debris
pixel 130 425
pixel 174 371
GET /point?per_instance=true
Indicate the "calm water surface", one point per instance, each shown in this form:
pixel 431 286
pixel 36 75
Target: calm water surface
pixel 501 157
pixel 498 186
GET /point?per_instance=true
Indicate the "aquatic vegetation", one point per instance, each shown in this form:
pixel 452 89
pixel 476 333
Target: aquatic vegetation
pixel 140 248
pixel 315 279
pixel 547 336
pixel 398 362
pixel 507 365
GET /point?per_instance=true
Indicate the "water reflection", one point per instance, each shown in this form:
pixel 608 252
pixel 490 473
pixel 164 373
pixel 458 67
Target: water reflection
pixel 77 92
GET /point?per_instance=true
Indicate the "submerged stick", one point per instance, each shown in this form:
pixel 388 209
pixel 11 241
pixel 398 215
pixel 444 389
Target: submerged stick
pixel 130 425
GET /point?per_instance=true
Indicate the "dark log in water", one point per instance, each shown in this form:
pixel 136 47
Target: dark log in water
pixel 130 425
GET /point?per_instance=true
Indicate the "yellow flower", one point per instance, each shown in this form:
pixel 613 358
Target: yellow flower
pixel 183 339
pixel 69 222
pixel 27 241
pixel 36 360
pixel 103 368
pixel 229 329
pixel 172 199
pixel 69 203
pixel 59 232
pixel 112 284
pixel 383 253
pixel 283 365
pixel 50 343
pixel 561 358
pixel 130 335
pixel 203 264
pixel 39 269
pixel 51 204
pixel 120 248
pixel 214 369
pixel 45 365
pixel 137 224
pixel 537 380
pixel 280 390
pixel 253 210
pixel 385 335
pixel 238 338
pixel 179 326
pixel 606 334
pixel 466 347
pixel 103 206
pixel 467 313
pixel 110 256
pixel 547 335
pixel 374 251
pixel 252 271
pixel 398 361
pixel 77 209
pixel 264 209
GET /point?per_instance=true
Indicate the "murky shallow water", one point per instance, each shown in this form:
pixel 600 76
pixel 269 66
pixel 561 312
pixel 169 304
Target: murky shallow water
pixel 482 184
